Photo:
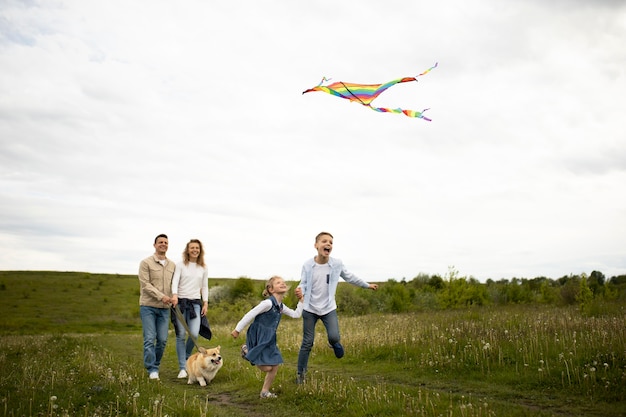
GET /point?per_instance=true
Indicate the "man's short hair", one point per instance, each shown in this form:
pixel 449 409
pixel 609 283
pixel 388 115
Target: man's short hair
pixel 161 235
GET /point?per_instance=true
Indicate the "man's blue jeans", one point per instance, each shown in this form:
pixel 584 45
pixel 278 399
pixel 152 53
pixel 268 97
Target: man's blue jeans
pixel 184 349
pixel 309 320
pixel 155 322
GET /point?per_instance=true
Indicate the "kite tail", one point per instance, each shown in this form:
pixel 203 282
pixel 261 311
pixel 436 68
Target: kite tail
pixel 428 70
pixel 324 79
pixel 409 113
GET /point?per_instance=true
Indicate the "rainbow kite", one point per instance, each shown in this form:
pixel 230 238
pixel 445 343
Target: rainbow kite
pixel 366 93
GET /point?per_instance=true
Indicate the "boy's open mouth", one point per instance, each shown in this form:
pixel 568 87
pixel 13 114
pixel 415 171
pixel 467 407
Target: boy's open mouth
pixel 326 250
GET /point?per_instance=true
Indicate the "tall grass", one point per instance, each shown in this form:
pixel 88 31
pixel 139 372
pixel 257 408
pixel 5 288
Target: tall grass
pixel 504 362
pixel 528 360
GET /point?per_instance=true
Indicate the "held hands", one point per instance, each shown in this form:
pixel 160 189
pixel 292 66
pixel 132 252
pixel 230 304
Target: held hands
pixel 299 293
pixel 174 300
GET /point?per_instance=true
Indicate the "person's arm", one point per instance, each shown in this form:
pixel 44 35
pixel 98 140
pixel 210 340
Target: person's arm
pixel 146 285
pixel 175 283
pixel 303 283
pixel 351 278
pixel 260 308
pixel 294 314
pixel 204 291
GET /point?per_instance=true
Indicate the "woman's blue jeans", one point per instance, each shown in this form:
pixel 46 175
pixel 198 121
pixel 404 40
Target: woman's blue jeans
pixel 184 344
pixel 309 320
pixel 156 323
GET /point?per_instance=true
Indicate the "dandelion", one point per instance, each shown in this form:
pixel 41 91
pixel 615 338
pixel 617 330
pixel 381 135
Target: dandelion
pixel 487 346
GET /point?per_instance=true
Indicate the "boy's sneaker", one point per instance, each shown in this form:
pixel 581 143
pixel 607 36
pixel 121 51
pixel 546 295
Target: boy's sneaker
pixel 267 394
pixel 182 374
pixel 154 375
pixel 300 379
pixel 244 351
pixel 338 349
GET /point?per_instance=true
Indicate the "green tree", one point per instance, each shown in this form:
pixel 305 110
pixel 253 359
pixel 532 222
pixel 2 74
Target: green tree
pixel 242 288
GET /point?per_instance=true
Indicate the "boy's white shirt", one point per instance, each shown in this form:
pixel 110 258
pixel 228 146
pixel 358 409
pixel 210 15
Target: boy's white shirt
pixel 321 303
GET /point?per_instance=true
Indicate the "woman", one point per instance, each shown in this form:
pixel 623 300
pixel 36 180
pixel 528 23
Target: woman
pixel 190 292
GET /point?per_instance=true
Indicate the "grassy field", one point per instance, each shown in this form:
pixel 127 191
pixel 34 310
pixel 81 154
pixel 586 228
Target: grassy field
pixel 71 345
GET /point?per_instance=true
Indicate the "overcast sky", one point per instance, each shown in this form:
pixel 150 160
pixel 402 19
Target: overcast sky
pixel 120 120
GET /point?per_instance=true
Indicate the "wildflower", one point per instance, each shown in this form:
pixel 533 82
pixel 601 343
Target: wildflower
pixel 53 398
pixel 487 346
pixel 606 365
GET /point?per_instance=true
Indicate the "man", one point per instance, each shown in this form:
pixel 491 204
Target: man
pixel 155 283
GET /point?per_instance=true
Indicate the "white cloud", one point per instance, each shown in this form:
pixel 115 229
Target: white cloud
pixel 119 121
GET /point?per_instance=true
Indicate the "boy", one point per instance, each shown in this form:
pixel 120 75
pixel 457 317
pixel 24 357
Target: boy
pixel 318 286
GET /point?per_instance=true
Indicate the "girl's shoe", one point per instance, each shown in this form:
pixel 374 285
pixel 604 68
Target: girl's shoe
pixel 267 394
pixel 244 351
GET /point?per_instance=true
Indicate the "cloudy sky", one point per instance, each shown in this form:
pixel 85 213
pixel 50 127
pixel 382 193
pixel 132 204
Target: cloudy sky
pixel 120 120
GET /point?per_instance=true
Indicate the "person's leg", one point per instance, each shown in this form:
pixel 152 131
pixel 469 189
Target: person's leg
pixel 162 327
pixel 194 328
pixel 270 375
pixel 308 337
pixel 180 344
pixel 148 322
pixel 331 322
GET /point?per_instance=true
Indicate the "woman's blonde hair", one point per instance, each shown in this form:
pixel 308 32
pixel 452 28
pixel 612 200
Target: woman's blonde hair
pixel 200 260
pixel 270 285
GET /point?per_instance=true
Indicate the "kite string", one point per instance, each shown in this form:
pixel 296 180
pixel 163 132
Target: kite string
pixel 352 94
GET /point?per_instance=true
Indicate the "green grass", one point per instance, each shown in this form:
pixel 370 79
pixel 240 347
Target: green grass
pixel 71 345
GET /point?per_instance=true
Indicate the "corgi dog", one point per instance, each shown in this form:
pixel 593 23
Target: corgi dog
pixel 203 365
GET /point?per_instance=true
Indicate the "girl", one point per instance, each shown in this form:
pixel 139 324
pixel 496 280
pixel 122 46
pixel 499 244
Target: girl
pixel 190 283
pixel 260 348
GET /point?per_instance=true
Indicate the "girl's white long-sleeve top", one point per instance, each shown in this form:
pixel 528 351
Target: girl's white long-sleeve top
pixel 263 307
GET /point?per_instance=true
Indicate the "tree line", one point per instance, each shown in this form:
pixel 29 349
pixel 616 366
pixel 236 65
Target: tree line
pixel 433 292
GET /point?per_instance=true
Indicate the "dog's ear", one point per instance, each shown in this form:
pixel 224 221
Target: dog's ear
pixel 202 350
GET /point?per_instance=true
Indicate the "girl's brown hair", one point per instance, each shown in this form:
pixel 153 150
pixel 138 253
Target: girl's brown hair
pixel 200 260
